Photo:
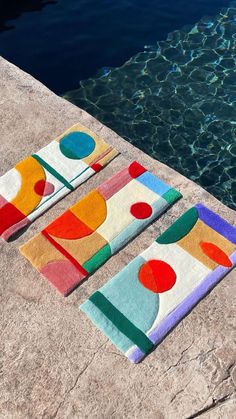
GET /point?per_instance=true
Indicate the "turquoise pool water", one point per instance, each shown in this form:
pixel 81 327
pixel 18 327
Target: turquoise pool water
pixel 176 100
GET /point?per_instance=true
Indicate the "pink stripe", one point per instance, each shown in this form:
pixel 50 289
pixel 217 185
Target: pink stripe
pixel 64 252
pixel 104 154
pixel 113 185
pixel 13 229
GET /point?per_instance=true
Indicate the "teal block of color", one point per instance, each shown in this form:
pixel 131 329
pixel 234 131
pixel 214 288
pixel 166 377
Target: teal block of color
pixel 131 298
pixel 106 326
pixel 77 145
pixel 153 183
pixel 171 196
pixel 98 259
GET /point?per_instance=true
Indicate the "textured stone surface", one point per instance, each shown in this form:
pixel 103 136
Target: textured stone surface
pixel 53 362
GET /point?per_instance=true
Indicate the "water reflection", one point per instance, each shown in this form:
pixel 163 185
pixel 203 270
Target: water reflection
pixel 176 101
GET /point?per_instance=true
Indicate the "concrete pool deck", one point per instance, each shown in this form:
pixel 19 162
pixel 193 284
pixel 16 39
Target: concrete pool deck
pixel 54 363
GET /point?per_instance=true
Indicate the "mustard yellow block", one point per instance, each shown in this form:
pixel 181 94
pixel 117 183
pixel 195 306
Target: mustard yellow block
pixel 78 127
pixel 31 172
pixel 202 233
pixel 91 209
pixel 39 251
pixel 83 249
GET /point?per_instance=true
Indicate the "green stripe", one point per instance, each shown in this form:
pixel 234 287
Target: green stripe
pixel 51 170
pixel 121 322
pixel 51 196
pixel 98 259
pixel 171 196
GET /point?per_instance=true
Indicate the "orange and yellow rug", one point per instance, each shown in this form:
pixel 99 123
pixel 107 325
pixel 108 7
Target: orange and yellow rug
pixel 40 180
pixel 87 234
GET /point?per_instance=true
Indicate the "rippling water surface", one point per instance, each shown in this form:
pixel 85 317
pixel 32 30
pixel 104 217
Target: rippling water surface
pixel 177 102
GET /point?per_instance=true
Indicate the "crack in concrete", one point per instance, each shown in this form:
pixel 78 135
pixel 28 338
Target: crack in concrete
pixel 116 354
pixel 227 377
pixel 180 391
pixel 201 354
pixel 28 299
pixel 76 382
pixel 180 358
pixel 223 399
pixel 177 363
pixel 213 405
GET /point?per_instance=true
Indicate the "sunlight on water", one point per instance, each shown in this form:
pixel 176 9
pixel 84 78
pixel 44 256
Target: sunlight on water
pixel 177 102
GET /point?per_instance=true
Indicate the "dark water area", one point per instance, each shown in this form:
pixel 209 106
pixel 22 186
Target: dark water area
pixel 11 10
pixel 62 42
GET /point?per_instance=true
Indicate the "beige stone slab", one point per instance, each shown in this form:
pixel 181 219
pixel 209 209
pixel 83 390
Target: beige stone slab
pixel 53 362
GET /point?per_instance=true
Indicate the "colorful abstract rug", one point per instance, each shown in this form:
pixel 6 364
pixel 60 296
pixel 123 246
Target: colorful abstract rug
pixel 86 235
pixel 40 180
pixel 143 302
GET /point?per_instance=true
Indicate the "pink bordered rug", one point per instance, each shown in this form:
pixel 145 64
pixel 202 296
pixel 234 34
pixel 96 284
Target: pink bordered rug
pixel 85 236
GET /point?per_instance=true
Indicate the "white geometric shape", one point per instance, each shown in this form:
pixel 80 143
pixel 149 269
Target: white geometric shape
pixel 118 208
pixel 10 184
pixel 68 168
pixel 189 273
